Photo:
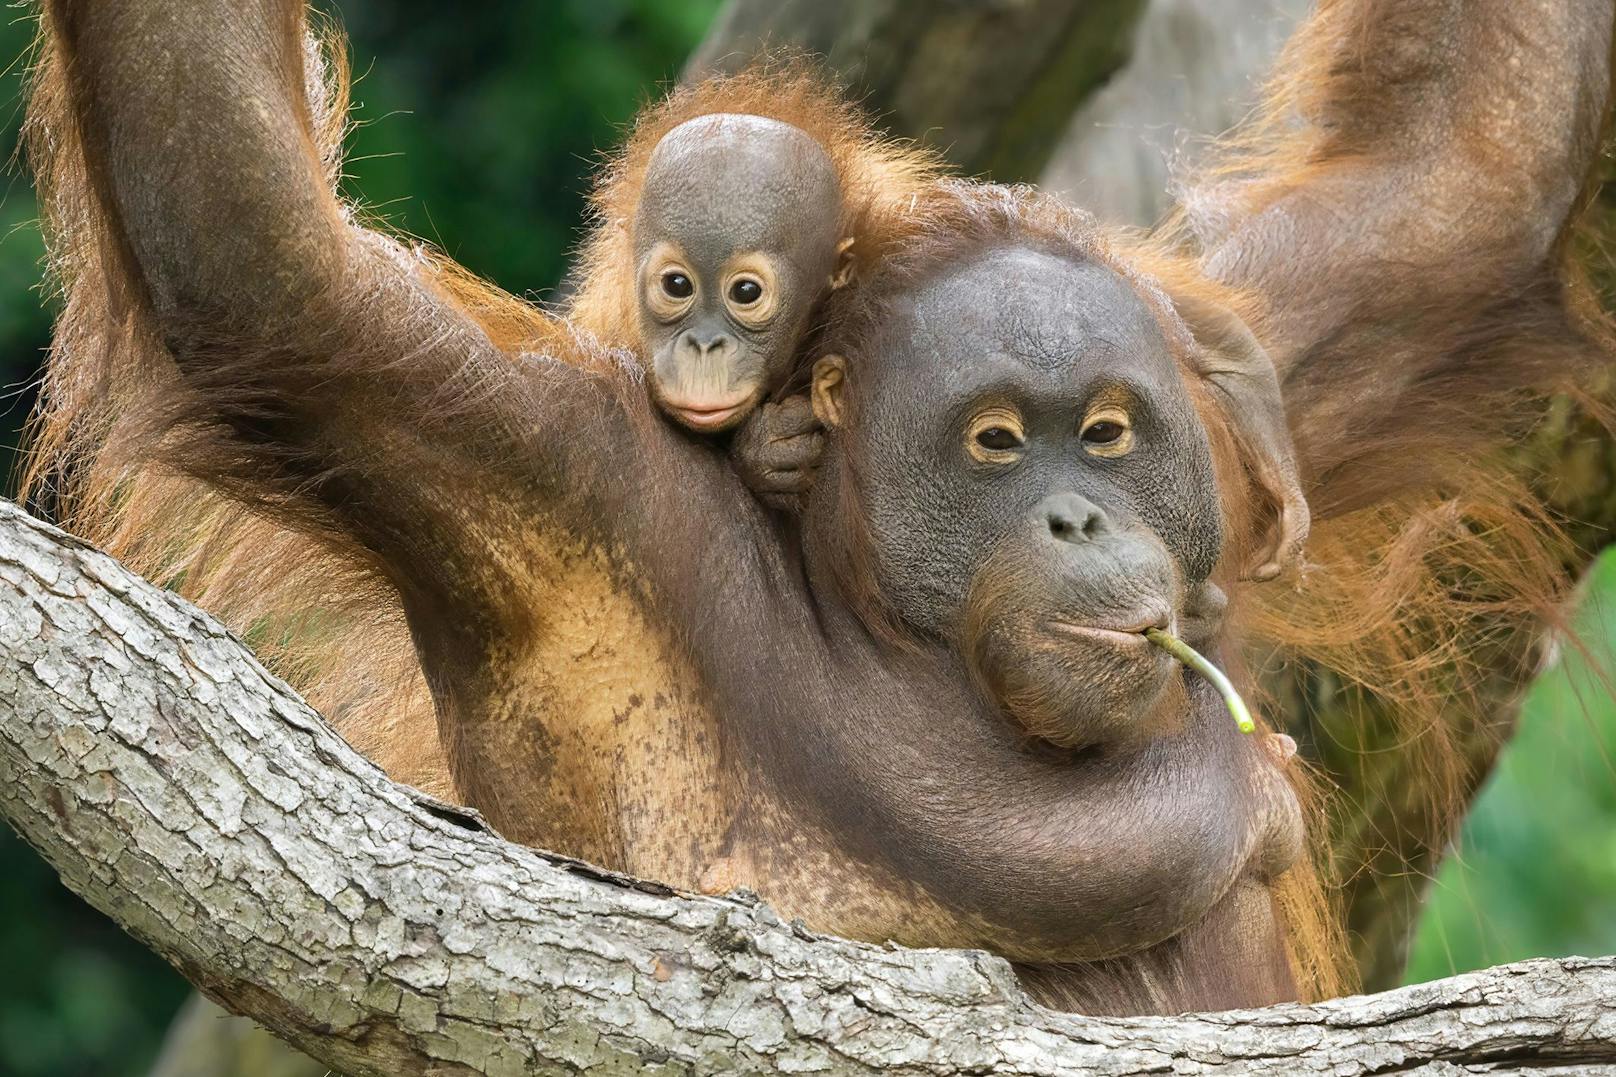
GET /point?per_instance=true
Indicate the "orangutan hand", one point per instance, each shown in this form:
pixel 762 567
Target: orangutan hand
pixel 777 449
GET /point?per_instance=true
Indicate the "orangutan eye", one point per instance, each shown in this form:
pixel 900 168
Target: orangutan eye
pixel 1107 432
pixel 1104 433
pixel 998 439
pixel 752 291
pixel 677 285
pixel 996 436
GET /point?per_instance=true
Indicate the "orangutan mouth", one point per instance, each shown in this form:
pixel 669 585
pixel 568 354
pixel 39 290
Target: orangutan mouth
pixel 710 419
pixel 1130 634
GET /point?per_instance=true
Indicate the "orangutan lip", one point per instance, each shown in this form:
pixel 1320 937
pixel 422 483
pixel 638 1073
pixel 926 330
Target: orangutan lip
pixel 1131 635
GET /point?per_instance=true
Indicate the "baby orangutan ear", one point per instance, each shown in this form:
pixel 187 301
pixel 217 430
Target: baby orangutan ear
pixel 830 376
pixel 846 260
pixel 1235 365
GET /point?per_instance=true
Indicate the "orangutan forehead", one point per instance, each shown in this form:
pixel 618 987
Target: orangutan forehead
pixel 752 182
pixel 1043 310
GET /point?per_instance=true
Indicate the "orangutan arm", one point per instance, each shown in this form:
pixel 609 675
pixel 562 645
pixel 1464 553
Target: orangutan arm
pixel 331 372
pixel 1400 206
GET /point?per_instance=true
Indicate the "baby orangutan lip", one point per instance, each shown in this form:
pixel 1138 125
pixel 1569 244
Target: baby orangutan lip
pixel 708 416
pixel 703 419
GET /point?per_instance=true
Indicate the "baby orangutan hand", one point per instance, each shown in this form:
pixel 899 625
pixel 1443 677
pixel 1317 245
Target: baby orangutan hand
pixel 777 449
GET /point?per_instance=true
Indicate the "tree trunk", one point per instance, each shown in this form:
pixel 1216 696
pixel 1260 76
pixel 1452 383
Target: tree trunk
pixel 1193 71
pixel 194 798
pixel 992 82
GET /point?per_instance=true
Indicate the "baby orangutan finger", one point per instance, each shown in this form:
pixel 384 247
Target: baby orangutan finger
pixel 790 481
pixel 798 454
pixel 777 449
pixel 792 417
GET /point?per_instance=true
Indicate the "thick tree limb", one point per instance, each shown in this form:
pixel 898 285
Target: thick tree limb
pixel 1193 71
pixel 193 797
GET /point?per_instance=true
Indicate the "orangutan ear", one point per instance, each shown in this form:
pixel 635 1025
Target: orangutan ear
pixel 1234 364
pixel 830 377
pixel 846 262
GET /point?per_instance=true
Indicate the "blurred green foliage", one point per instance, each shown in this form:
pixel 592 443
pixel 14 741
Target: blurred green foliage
pixel 1534 874
pixel 477 131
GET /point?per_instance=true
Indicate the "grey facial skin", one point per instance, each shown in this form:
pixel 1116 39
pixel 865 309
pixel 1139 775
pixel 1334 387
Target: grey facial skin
pixel 1041 489
pixel 736 238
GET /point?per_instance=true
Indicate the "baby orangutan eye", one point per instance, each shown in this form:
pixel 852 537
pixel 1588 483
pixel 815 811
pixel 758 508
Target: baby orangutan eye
pixel 677 285
pixel 752 291
pixel 1107 432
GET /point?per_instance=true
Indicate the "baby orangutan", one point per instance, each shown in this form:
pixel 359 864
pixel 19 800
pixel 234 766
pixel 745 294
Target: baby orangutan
pixel 734 209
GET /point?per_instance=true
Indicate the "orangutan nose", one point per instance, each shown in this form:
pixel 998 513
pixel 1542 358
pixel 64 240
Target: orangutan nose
pixel 1072 518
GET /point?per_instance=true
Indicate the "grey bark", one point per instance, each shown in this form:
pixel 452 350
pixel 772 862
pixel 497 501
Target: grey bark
pixel 1194 70
pixel 194 798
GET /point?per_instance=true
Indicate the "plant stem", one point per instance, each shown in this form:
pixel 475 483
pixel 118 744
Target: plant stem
pixel 1199 663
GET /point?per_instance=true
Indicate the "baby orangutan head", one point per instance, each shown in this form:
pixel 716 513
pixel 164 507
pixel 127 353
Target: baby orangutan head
pixel 738 235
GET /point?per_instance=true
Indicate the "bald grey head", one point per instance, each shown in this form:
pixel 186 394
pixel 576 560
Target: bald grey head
pixel 737 237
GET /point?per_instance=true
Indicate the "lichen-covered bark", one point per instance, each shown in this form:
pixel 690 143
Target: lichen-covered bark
pixel 194 798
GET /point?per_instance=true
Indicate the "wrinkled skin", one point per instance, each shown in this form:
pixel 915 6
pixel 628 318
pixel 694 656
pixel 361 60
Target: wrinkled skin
pixel 737 238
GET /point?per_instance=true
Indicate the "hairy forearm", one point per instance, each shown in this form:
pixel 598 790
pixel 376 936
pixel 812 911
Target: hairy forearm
pixel 1398 209
pixel 195 120
pixel 349 380
pixel 1410 150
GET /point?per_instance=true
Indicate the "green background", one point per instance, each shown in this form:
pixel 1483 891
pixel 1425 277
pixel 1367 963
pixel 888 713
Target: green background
pixel 478 128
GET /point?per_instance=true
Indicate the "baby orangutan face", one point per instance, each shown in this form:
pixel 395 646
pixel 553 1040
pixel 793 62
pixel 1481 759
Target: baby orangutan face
pixel 737 237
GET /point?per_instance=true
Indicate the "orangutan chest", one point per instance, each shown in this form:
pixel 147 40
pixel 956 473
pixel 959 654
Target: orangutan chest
pixel 586 735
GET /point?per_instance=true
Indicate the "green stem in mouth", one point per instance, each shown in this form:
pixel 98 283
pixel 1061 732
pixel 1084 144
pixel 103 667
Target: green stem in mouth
pixel 1198 662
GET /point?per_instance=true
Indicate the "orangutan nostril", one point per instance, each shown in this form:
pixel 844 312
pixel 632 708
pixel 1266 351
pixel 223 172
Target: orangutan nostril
pixel 1075 521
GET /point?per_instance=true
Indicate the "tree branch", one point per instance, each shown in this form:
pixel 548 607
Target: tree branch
pixel 194 798
pixel 1194 70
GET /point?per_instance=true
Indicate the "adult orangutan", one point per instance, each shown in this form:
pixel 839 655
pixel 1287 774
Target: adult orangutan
pixel 926 715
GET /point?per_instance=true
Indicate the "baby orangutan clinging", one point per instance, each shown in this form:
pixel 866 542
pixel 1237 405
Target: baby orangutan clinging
pixel 738 235
pixel 735 207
